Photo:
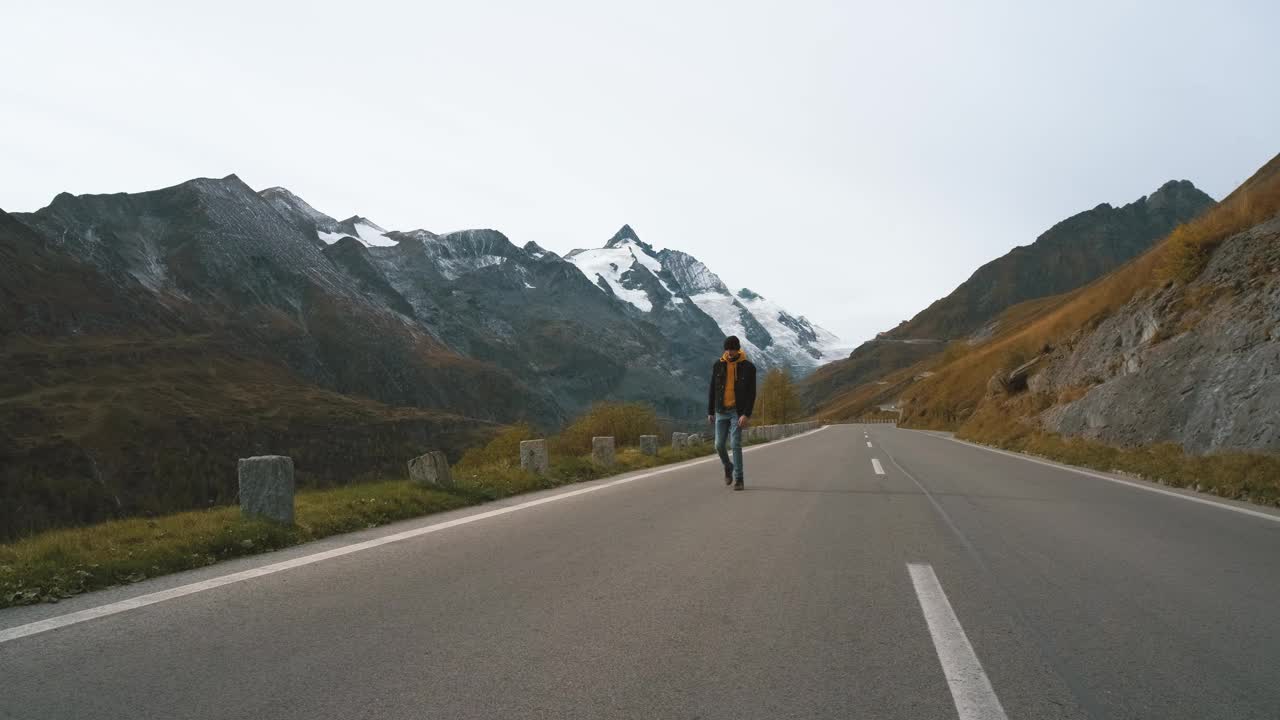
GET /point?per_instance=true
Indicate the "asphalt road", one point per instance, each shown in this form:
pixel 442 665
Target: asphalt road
pixel 959 583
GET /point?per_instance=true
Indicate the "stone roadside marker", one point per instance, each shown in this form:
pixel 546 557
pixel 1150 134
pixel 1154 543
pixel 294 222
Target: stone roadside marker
pixel 533 456
pixel 648 444
pixel 431 470
pixel 266 487
pixel 602 452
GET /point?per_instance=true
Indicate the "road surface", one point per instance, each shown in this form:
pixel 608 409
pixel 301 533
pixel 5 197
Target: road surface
pixel 867 572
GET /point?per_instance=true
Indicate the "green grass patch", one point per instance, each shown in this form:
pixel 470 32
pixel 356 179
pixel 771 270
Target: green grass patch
pixel 61 563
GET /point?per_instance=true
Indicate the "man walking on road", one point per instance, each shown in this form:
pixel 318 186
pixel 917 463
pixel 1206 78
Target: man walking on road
pixel 730 401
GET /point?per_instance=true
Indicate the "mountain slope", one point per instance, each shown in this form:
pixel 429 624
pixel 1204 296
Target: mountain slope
pixel 1178 346
pixel 147 340
pixel 1073 252
pixel 1070 254
pixel 118 400
pixel 226 256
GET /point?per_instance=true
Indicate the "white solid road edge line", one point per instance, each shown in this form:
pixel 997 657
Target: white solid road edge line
pixel 120 606
pixel 1139 486
pixel 971 691
pixel 875 464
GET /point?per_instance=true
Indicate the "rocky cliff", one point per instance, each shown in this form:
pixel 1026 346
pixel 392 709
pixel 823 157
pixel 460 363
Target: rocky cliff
pixel 1197 365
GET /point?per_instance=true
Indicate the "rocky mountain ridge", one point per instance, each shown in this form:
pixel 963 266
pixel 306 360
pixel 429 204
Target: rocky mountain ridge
pixel 174 330
pixel 1068 255
pixel 1166 365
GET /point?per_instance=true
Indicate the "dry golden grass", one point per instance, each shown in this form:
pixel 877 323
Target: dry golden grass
pixel 863 400
pixel 1185 253
pixel 1252 477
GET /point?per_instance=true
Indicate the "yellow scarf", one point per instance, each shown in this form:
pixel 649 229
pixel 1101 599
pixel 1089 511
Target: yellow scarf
pixel 732 363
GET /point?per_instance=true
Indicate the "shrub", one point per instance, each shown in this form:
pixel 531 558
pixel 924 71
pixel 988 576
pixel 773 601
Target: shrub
pixel 625 422
pixel 502 451
pixel 778 401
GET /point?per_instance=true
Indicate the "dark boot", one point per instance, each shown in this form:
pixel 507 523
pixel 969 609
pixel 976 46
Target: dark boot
pixel 728 474
pixel 738 485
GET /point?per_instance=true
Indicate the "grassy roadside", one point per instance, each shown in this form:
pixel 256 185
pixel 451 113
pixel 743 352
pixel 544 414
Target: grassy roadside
pixel 62 563
pixel 1251 477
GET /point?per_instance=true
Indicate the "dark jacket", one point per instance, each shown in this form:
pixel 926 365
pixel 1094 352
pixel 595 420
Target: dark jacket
pixel 744 387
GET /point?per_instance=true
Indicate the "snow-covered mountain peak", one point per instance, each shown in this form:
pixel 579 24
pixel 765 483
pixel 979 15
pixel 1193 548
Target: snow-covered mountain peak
pixel 617 269
pixel 625 235
pixel 670 280
pixel 669 286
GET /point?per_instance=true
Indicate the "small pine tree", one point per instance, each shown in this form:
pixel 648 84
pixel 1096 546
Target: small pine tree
pixel 778 402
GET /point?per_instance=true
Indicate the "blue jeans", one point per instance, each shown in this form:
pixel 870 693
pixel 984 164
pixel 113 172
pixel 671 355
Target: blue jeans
pixel 727 427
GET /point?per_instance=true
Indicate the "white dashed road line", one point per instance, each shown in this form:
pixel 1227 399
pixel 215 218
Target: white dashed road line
pixel 877 466
pixel 971 691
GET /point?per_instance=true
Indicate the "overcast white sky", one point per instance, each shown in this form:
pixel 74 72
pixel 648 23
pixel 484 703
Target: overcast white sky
pixel 853 161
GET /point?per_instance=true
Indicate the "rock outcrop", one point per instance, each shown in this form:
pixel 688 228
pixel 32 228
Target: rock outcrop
pixel 1196 365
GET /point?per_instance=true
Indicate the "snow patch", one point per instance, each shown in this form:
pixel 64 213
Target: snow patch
pixel 728 316
pixel 653 265
pixel 609 264
pixel 367 233
pixel 788 344
pixel 795 341
pixel 782 326
pixel 372 235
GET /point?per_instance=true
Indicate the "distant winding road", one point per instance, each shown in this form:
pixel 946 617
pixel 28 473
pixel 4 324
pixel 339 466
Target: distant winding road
pixel 867 572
